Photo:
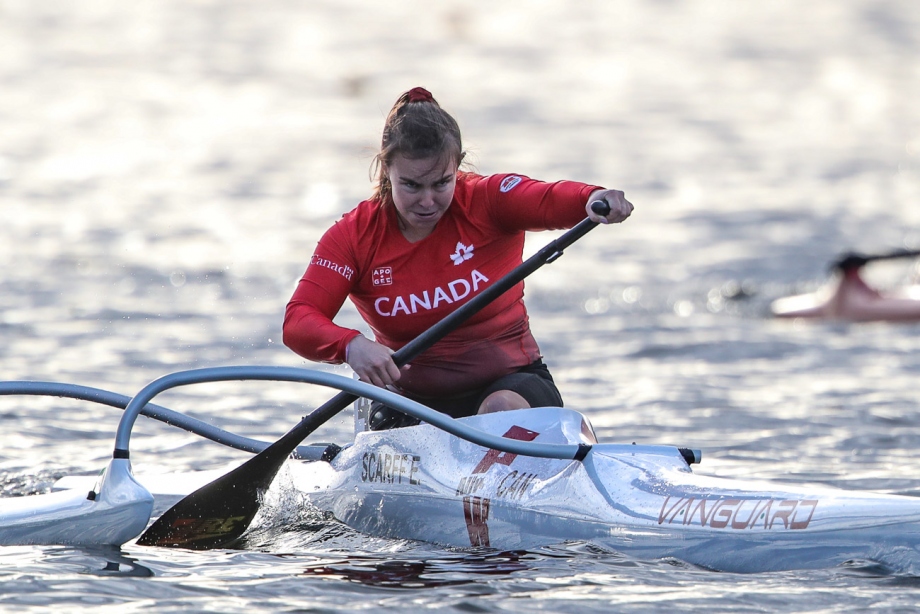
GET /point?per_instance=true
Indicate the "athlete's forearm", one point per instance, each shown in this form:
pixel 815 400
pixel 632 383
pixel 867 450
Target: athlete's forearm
pixel 313 335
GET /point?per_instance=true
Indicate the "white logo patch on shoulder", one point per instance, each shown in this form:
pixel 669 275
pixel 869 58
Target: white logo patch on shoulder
pixel 509 182
pixel 464 252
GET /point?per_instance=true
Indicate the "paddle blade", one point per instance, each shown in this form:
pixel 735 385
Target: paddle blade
pixel 215 515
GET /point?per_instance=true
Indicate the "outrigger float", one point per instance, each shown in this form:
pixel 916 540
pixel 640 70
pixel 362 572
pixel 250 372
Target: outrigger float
pixel 512 480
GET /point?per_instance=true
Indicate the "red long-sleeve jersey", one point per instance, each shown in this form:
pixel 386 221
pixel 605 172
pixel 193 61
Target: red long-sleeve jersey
pixel 401 288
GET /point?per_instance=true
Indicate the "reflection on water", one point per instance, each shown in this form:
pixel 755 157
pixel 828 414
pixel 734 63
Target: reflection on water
pixel 447 571
pixel 114 563
pixel 18 484
pixel 166 169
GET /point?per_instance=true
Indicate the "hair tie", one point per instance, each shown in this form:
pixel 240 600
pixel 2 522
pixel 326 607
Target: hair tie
pixel 420 94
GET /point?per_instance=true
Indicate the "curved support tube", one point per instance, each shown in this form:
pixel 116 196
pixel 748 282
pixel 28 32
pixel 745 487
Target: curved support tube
pixel 168 416
pixel 362 389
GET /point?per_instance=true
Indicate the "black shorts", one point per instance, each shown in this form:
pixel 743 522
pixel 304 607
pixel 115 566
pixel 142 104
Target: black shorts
pixel 533 382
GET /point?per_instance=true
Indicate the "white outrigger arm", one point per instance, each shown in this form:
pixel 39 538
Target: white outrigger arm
pixel 331 380
pixel 118 508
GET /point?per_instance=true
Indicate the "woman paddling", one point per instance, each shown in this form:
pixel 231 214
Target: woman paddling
pixel 429 239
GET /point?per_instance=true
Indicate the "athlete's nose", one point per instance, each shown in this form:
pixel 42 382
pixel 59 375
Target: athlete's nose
pixel 426 199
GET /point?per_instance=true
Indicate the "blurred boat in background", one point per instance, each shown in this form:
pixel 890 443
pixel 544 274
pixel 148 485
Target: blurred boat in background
pixel 847 296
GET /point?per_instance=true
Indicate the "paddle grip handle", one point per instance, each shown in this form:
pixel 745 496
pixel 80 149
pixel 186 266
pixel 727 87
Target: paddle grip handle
pixel 601 208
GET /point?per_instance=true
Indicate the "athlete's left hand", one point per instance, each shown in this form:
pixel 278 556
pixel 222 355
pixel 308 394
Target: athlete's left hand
pixel 620 208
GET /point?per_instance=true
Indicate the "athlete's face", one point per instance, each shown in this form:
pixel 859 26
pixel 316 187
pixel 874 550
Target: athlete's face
pixel 422 191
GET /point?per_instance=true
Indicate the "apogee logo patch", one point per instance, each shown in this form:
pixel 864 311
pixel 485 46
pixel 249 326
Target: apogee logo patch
pixel 383 276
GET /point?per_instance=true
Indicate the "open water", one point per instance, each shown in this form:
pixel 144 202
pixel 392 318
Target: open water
pixel 165 169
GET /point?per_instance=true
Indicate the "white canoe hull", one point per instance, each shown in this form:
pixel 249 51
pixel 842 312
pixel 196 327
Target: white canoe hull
pixel 420 483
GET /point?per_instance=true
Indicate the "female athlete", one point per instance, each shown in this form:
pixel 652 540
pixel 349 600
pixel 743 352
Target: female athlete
pixel 429 239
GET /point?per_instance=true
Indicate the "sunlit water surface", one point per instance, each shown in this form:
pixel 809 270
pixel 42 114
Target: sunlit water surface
pixel 165 170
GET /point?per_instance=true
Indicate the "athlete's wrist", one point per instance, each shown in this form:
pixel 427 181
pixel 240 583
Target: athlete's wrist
pixel 348 346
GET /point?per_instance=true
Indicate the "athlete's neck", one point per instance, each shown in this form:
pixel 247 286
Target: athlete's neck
pixel 413 234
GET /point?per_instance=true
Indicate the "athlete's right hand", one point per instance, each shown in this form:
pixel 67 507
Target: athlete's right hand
pixel 371 361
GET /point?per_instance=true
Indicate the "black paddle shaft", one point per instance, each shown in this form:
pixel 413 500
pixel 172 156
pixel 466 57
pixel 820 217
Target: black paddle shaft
pixel 217 514
pixel 411 350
